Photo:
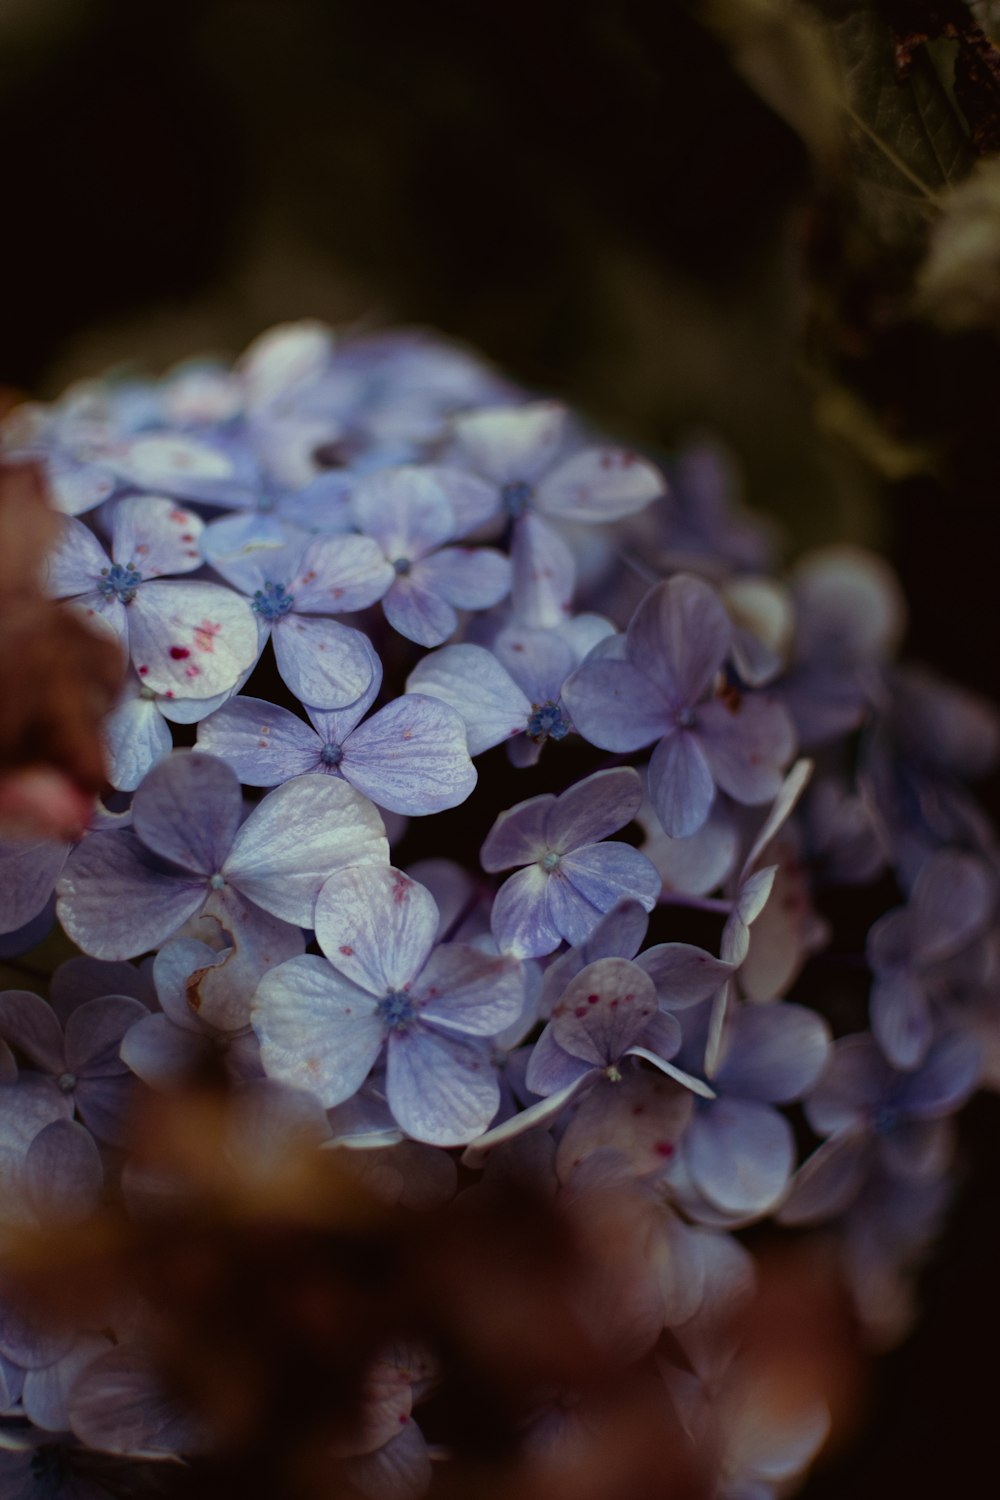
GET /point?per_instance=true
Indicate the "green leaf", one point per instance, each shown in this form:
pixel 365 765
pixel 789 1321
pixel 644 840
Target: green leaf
pixel 907 139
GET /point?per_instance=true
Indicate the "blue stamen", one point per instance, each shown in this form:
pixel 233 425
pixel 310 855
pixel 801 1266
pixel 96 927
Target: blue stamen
pixel 547 722
pixel 331 755
pixel 515 497
pixel 396 1010
pixel 120 581
pixel 272 602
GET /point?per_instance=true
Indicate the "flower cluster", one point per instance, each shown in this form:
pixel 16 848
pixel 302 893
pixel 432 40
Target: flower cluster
pixel 341 574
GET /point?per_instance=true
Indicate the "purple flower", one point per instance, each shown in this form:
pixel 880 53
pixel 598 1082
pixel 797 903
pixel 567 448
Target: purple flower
pixel 30 868
pixel 572 877
pixel 294 584
pixel 185 640
pixel 606 1019
pixel 136 732
pixel 323 1022
pixel 411 513
pixel 849 617
pixel 410 756
pixel 166 1048
pixel 879 1121
pixel 513 691
pixel 655 687
pixel 81 1059
pixel 910 950
pixel 517 450
pixel 188 853
pixel 682 974
pixel 739 1151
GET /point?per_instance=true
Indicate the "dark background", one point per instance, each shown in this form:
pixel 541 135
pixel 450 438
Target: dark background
pixel 595 196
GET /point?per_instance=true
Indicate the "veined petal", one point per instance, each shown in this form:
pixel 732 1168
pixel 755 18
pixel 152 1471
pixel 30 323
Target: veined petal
pixel 63 1174
pixel 94 1032
pixel 339 574
pixel 615 706
pixel 263 744
pixel 75 564
pixel 190 640
pixel 605 873
pixel 829 1180
pixel 464 989
pixel 643 1118
pixel 679 637
pixel 29 870
pixel 952 900
pixel 31 1025
pixel 252 550
pixel 517 1125
pixel 599 484
pixel 317 1030
pixel 188 810
pixel 747 747
pixel 681 787
pixel 376 926
pixel 853 1085
pixel 539 661
pixel 604 1011
pixel 551 1069
pixel 136 738
pixel 947 1078
pixel 473 500
pixel 411 756
pixel 682 974
pixel 325 664
pixel 156 536
pixel 419 613
pixel 296 838
pixel 441 1087
pixel 220 991
pixel 466 577
pixel 518 835
pixel 618 934
pixel 115 873
pixel 520 919
pixel 405 509
pixel 472 681
pixel 593 808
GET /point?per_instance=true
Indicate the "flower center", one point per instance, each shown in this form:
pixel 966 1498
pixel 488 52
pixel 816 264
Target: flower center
pixel 331 755
pixel 550 861
pixel 515 497
pixel 66 1082
pixel 685 718
pixel 402 565
pixel 547 722
pixel 272 602
pixel 396 1010
pixel 217 881
pixel 119 582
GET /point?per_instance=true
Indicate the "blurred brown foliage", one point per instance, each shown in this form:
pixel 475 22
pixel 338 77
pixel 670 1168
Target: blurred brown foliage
pixel 272 1289
pixel 58 678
